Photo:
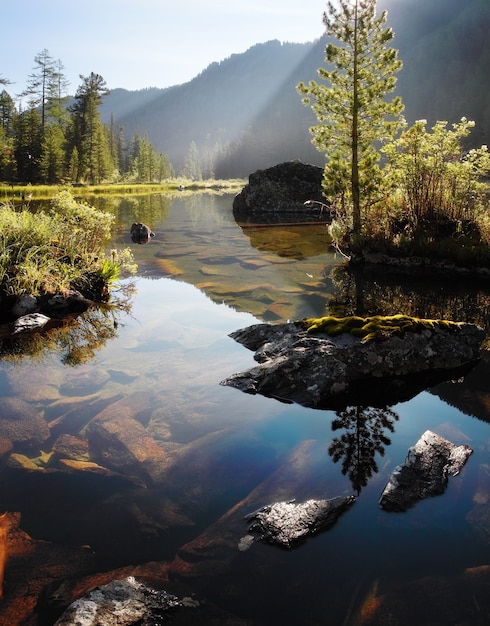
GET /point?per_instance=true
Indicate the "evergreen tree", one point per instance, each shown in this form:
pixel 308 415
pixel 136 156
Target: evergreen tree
pixel 41 82
pixel 87 132
pixel 51 168
pixel 351 106
pixel 28 132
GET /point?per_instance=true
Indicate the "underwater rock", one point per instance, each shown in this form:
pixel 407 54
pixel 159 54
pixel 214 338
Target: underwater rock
pixel 287 523
pixel 220 547
pixel 321 370
pixel 22 424
pixel 425 472
pixel 118 441
pixel 30 566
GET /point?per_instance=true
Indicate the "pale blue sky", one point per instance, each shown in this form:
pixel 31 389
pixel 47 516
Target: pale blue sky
pixel 145 43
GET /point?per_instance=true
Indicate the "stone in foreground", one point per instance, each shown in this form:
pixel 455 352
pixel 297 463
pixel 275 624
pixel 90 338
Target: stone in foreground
pixel 287 523
pixel 425 472
pixel 317 368
pixel 122 603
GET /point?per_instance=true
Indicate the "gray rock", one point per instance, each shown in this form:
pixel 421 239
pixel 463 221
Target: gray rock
pixel 321 371
pixel 122 603
pixel 29 323
pixel 283 190
pixel 25 305
pixel 287 523
pixel 425 472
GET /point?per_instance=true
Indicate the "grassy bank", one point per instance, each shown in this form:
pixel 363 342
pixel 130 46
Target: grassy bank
pixel 59 249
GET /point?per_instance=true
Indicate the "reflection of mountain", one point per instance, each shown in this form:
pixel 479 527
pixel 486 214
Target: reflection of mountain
pixel 471 394
pixel 289 240
pixel 363 437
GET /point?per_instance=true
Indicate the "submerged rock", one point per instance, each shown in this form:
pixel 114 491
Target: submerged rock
pixel 21 423
pixel 425 472
pixel 287 523
pixel 322 370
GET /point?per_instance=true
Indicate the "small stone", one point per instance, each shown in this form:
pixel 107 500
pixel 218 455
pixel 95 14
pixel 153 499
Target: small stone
pixel 29 323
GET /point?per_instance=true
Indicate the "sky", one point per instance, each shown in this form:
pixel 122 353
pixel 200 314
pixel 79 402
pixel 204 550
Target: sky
pixel 136 44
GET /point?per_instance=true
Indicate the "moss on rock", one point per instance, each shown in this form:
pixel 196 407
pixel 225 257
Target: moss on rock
pixel 367 328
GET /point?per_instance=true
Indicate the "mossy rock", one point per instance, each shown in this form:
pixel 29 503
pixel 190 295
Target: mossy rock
pixel 377 326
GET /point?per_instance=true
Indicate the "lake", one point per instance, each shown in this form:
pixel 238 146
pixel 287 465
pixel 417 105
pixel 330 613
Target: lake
pixel 159 360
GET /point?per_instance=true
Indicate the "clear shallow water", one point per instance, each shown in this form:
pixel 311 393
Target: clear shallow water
pixel 202 277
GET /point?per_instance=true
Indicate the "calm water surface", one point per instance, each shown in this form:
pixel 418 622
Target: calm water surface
pixel 202 277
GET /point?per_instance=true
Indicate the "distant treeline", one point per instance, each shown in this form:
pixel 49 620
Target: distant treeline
pixel 57 139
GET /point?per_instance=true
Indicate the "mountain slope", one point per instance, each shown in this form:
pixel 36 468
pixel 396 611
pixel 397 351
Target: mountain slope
pixel 244 112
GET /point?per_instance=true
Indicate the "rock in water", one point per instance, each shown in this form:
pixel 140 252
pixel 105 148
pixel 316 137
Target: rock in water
pixel 319 370
pixel 29 323
pixel 119 603
pixel 141 233
pixel 425 473
pixel 287 523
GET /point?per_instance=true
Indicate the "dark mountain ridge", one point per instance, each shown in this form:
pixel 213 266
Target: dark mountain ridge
pixel 244 112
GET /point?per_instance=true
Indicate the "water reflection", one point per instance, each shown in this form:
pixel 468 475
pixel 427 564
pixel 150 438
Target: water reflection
pixel 152 377
pixel 363 439
pixel 377 291
pixel 75 339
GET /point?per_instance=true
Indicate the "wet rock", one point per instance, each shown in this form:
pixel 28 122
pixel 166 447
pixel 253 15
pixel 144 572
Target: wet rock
pixel 120 603
pixel 425 473
pixel 287 523
pixel 141 233
pixel 22 424
pixel 119 442
pixel 324 371
pixel 280 192
pixel 31 322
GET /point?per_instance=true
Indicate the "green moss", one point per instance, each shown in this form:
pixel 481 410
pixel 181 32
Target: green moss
pixel 370 327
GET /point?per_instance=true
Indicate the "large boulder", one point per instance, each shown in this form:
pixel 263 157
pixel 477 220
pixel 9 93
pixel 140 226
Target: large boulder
pixel 314 368
pixel 279 193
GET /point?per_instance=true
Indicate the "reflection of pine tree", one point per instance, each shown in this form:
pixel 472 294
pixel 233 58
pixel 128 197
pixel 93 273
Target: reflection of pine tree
pixel 364 437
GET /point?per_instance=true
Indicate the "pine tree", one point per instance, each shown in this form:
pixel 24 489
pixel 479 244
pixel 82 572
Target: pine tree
pixel 87 131
pixel 351 106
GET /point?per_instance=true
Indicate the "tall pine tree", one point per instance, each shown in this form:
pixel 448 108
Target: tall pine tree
pixel 351 105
